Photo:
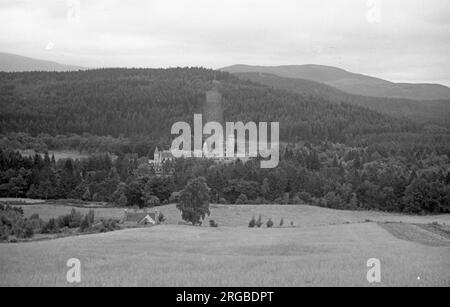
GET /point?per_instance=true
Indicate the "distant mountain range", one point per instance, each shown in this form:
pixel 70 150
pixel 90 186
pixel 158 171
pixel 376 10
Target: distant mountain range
pixel 349 82
pixel 146 102
pixel 426 111
pixel 16 63
pixel 424 103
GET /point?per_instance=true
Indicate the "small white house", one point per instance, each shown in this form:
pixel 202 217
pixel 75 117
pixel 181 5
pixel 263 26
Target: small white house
pixel 141 217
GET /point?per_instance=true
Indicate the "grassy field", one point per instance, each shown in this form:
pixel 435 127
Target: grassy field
pixel 325 248
pixel 240 215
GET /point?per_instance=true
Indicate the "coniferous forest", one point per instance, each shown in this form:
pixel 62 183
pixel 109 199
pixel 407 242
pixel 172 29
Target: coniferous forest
pixel 333 155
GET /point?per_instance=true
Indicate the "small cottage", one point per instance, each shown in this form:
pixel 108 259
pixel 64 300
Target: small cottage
pixel 140 217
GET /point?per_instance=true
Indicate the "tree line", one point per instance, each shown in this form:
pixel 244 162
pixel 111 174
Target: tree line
pixel 327 174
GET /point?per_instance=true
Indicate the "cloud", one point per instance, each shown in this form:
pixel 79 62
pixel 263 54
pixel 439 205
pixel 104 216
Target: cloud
pixel 409 43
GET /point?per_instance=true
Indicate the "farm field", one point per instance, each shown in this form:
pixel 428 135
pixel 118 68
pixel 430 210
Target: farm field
pixel 170 255
pixel 325 248
pixel 240 215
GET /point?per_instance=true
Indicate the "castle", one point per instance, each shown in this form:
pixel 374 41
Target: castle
pixel 159 158
pixel 213 111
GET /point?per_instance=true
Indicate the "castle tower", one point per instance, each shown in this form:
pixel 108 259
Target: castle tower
pixel 212 108
pixel 157 156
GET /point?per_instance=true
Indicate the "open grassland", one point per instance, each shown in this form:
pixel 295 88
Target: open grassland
pixel 171 255
pixel 324 248
pixel 240 215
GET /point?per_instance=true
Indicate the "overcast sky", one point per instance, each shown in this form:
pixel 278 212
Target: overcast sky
pixel 399 40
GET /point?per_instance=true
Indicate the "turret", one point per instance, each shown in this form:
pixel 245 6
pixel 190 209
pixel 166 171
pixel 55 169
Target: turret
pixel 156 156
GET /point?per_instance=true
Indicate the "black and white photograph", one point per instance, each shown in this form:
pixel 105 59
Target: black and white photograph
pixel 225 150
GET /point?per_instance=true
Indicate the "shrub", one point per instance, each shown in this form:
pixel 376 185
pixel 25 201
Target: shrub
pixel 223 201
pixel 295 200
pixel 111 224
pixel 23 229
pixel 72 220
pixel 99 227
pixel 91 217
pixel 305 197
pixel 50 227
pixel 241 200
pixel 213 224
pixel 282 222
pixel 4 233
pixel 28 229
pixel 269 223
pixel 122 201
pixel 252 223
pixel 334 201
pixel 161 218
pixel 259 222
pixel 85 224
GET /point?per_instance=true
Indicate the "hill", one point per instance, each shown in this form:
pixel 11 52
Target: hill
pixel 349 82
pixel 16 63
pixel 136 102
pixel 433 111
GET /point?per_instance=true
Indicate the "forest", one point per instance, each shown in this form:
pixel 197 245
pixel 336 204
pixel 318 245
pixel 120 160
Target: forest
pixel 329 175
pixel 146 102
pixel 333 155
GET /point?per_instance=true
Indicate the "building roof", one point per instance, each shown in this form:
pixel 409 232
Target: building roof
pixel 136 217
pixel 147 219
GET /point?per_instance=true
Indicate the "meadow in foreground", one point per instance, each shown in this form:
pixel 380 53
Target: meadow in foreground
pixel 326 248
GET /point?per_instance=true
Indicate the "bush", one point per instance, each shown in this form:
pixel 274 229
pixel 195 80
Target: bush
pixel 4 233
pixel 241 200
pixel 259 222
pixel 72 220
pixel 252 223
pixel 305 197
pixel 122 201
pixel 269 223
pixel 104 226
pixel 161 218
pixel 296 200
pixel 213 224
pixel 223 201
pixel 50 227
pixel 28 229
pixel 12 223
pixel 23 229
pixel 85 224
pixel 282 222
pixel 111 224
pixel 334 201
